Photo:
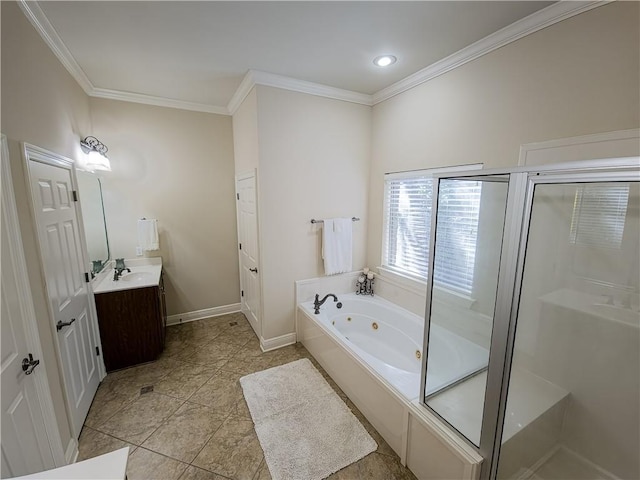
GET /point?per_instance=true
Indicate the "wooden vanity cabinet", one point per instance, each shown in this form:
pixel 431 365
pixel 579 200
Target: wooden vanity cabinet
pixel 132 325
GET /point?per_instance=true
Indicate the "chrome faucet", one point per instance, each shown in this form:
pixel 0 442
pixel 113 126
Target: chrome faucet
pixel 317 303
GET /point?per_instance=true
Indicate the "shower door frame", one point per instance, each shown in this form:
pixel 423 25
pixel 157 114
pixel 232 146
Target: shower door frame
pixel 520 197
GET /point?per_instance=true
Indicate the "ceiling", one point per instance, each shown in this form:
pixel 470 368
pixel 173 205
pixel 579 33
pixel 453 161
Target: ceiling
pixel 199 52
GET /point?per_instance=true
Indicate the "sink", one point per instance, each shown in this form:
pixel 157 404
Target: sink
pixel 140 276
pixel 135 277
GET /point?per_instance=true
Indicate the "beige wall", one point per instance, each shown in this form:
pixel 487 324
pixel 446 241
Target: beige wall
pixel 577 77
pixel 176 166
pixel 43 105
pixel 245 134
pixel 313 163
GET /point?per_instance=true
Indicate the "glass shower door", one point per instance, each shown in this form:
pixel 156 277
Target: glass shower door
pixel 470 219
pixel 573 399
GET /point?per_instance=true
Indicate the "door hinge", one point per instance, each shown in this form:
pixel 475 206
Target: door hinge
pixel 242 293
pixel 75 195
pixel 97 351
pixel 238 196
pixel 240 246
pixel 86 277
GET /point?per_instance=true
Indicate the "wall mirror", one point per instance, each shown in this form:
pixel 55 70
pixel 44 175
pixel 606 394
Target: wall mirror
pixel 95 226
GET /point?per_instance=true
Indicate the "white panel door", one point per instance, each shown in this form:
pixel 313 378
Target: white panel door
pixel 68 292
pixel 249 250
pixel 25 442
pixel 25 448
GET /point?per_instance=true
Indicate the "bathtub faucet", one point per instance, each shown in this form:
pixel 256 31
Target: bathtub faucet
pixel 317 303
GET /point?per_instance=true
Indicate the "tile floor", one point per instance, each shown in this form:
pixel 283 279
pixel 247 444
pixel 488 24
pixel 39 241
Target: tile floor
pixel 195 424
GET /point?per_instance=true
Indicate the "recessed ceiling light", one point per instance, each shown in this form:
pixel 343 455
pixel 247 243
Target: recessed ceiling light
pixel 384 60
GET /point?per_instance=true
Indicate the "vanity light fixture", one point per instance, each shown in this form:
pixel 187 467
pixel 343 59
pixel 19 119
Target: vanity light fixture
pixel 96 154
pixel 384 60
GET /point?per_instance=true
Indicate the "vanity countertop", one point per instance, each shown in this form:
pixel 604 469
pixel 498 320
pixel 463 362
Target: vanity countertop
pixel 145 272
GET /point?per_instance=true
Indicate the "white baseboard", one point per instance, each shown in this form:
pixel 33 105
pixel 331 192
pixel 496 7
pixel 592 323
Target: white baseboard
pixel 277 342
pixel 200 314
pixel 71 454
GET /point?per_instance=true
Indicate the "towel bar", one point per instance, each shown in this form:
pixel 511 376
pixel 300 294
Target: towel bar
pixel 313 220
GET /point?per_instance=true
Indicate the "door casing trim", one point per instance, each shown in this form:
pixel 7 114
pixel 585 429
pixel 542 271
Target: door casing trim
pixel 34 153
pixel 25 301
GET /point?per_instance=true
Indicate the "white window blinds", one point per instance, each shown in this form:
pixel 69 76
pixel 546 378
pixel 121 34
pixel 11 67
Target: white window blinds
pixel 408 205
pixel 599 213
pixel 408 221
pixel 457 233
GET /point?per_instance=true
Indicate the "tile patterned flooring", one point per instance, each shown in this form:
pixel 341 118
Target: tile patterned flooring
pixel 195 424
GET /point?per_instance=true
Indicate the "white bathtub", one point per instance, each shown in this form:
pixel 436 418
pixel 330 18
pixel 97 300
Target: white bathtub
pixel 378 370
pixel 389 339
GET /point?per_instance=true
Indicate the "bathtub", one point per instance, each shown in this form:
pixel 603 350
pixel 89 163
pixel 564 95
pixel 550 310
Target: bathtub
pixel 372 348
pixel 389 338
pixel 378 368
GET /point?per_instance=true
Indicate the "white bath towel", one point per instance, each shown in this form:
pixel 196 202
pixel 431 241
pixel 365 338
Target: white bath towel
pixel 337 234
pixel 148 234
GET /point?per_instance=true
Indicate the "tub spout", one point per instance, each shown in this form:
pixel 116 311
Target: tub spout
pixel 317 303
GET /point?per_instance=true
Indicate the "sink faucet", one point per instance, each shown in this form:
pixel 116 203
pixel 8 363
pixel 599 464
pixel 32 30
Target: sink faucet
pixel 120 267
pixel 117 272
pixel 317 303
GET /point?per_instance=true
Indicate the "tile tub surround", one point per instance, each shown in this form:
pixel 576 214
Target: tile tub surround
pixel 195 424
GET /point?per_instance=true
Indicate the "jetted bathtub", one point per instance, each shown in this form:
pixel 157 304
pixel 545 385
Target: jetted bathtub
pixel 389 338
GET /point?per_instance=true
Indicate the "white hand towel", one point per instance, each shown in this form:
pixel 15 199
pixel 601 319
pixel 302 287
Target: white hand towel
pixel 337 235
pixel 148 234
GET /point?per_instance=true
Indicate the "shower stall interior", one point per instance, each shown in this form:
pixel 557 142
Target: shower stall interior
pixel 550 307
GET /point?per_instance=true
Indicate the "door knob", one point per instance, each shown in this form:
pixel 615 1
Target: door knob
pixel 28 364
pixel 60 325
pixel 254 270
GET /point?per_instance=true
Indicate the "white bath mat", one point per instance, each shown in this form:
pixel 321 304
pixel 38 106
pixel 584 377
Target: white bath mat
pixel 305 429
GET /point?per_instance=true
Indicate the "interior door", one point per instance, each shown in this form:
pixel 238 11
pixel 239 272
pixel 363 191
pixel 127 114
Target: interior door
pixel 249 249
pixel 25 441
pixel 68 292
pixel 25 448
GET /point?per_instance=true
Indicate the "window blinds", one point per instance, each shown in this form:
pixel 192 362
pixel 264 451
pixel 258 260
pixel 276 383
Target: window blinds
pixel 457 233
pixel 408 220
pixel 408 205
pixel 599 214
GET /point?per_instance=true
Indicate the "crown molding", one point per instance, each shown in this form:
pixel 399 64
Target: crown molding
pixel 257 77
pixel 241 92
pixel 311 88
pixel 546 17
pixel 550 15
pixel 157 101
pixel 41 23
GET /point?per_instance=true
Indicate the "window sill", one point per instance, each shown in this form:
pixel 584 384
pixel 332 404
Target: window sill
pixel 420 287
pixel 404 281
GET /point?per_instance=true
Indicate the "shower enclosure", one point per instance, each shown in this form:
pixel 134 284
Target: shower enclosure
pixel 549 307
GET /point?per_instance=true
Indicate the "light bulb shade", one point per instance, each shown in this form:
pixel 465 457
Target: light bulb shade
pixel 96 152
pixel 97 161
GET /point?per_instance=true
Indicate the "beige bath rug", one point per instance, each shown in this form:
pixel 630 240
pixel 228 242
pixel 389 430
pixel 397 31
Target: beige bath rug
pixel 306 431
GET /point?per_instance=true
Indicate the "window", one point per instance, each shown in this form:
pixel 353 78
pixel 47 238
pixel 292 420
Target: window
pixel 599 213
pixel 408 205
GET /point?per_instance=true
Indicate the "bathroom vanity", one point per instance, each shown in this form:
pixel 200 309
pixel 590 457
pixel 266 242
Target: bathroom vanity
pixel 131 315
